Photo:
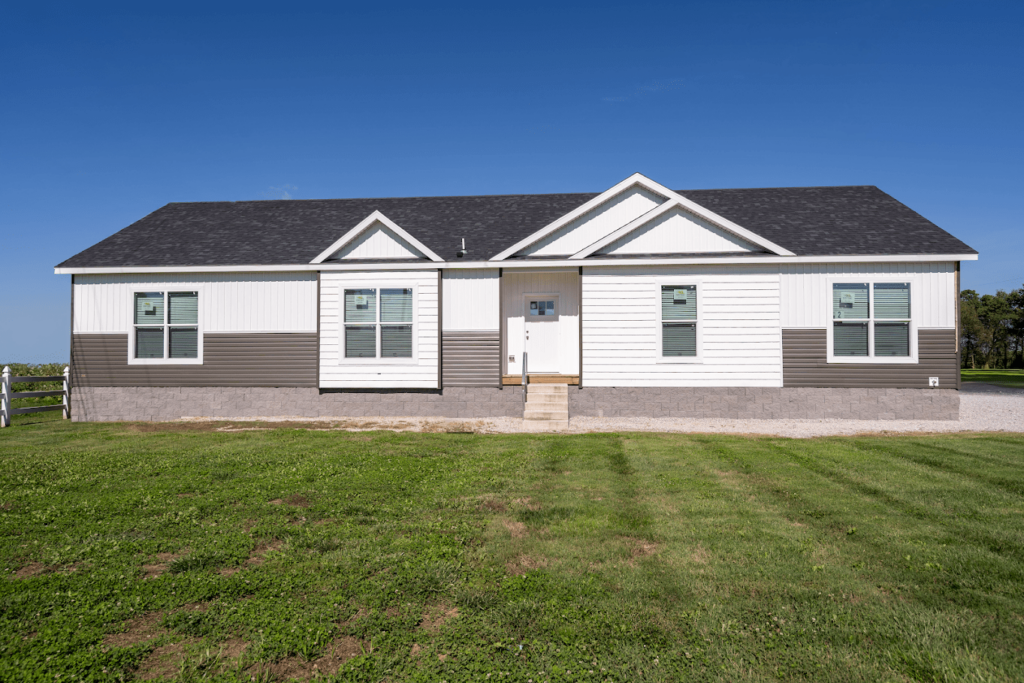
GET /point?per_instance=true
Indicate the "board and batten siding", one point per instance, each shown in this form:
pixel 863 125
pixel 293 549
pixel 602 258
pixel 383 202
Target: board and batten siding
pixel 805 363
pixel 229 360
pixel 596 223
pixel 378 242
pixel 470 300
pixel 806 299
pixel 514 290
pixel 678 232
pixel 337 372
pixel 229 302
pixel 741 340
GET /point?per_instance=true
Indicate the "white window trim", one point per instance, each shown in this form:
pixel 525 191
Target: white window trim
pixel 165 287
pixel 377 360
pixel 915 286
pixel 682 281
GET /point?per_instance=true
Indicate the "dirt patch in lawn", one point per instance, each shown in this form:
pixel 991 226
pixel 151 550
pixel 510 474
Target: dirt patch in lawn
pixel 296 668
pixel 297 501
pixel 29 570
pixel 139 630
pixel 232 648
pixel 163 662
pixel 256 556
pixel 493 506
pixel 162 564
pixel 517 529
pixel 523 564
pixel 640 547
pixel 435 616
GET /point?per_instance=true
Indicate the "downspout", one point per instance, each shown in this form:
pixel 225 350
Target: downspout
pixel 440 324
pixel 956 326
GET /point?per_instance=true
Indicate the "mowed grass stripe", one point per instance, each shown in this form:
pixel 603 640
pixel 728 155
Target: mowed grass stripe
pixel 426 557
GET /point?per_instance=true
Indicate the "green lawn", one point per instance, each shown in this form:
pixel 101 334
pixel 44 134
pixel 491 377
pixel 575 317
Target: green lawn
pixel 1004 378
pixel 140 550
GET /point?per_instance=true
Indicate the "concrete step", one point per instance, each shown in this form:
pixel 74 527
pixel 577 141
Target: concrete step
pixel 546 425
pixel 547 389
pixel 533 414
pixel 552 402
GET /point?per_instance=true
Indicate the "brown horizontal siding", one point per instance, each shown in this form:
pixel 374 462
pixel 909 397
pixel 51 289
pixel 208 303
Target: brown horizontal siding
pixel 229 360
pixel 804 363
pixel 471 359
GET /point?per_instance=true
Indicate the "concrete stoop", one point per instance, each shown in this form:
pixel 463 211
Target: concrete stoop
pixel 547 407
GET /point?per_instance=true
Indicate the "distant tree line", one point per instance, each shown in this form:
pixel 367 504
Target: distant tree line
pixel 992 329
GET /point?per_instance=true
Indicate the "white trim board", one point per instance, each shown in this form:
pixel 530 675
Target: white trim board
pixel 366 224
pixel 535 265
pixel 640 180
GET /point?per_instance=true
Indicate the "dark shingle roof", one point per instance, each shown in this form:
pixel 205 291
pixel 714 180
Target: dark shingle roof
pixel 807 221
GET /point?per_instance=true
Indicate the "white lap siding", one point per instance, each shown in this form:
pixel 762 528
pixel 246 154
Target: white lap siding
pixel 741 335
pixel 418 373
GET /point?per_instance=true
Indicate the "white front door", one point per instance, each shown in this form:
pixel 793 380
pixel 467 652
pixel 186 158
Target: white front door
pixel 542 334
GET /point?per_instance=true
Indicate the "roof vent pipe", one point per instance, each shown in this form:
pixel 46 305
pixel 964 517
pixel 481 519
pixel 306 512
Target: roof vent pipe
pixel 462 252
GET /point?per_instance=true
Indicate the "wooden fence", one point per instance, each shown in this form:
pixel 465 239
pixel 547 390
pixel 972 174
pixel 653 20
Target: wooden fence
pixel 7 409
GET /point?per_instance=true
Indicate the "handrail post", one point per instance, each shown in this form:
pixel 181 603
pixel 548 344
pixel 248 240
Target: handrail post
pixel 526 377
pixel 67 395
pixel 5 397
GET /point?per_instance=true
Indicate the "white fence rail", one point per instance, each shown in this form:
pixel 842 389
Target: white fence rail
pixel 7 396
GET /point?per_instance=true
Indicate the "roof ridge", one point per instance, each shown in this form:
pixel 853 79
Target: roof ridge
pixel 370 199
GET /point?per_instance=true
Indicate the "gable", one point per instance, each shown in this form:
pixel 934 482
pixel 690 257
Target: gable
pixel 600 221
pixel 677 232
pixel 377 242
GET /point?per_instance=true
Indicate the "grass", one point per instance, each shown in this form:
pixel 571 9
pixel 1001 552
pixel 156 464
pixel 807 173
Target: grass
pixel 1003 378
pixel 175 550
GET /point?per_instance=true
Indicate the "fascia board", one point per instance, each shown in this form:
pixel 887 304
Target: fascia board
pixel 363 225
pixel 635 179
pixel 730 260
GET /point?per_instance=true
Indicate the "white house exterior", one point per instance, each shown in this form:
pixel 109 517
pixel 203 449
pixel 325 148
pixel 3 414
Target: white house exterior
pixel 789 302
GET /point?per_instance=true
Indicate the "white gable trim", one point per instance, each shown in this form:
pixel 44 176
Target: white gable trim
pixel 635 179
pixel 654 214
pixel 375 217
pixel 657 188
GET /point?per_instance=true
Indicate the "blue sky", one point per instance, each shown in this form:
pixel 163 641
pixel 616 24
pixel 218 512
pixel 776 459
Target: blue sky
pixel 110 112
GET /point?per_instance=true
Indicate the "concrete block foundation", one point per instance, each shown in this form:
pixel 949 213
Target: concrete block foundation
pixel 110 404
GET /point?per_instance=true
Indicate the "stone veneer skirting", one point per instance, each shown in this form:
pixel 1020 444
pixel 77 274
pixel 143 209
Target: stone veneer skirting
pixel 105 404
pixel 767 403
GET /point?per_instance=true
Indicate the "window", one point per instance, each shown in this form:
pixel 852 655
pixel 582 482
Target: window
pixel 378 323
pixel 871 320
pixel 165 327
pixel 680 323
pixel 546 307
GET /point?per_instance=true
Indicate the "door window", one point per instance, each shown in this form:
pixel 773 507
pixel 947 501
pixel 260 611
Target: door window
pixel 542 308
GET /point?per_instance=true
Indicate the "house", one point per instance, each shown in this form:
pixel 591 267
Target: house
pixel 814 302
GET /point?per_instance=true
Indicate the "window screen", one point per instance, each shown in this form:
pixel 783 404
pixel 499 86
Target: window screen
pixel 174 335
pixel 384 331
pixel 850 300
pixel 871 320
pixel 892 300
pixel 678 321
pixel 149 342
pixel 850 339
pixel 149 308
